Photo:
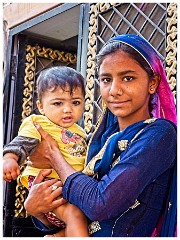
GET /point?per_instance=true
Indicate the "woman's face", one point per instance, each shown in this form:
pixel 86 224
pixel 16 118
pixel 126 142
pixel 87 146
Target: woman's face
pixel 125 88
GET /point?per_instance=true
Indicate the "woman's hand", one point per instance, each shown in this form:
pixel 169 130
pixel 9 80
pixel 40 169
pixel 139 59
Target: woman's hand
pixel 42 198
pixel 43 154
pixel 48 152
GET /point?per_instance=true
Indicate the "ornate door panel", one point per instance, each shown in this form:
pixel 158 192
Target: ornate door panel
pixel 17 223
pixel 37 59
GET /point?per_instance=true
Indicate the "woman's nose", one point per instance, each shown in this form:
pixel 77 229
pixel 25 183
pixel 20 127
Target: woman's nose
pixel 115 89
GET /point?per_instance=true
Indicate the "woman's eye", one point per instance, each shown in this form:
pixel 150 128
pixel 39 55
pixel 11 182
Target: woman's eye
pixel 76 103
pixel 127 78
pixel 105 80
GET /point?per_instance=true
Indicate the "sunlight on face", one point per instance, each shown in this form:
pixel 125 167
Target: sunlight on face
pixel 62 108
pixel 124 86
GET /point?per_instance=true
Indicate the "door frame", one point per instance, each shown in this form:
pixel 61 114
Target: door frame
pixel 10 87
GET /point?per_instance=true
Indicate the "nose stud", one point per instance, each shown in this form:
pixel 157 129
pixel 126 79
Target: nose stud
pixel 116 92
pixel 120 91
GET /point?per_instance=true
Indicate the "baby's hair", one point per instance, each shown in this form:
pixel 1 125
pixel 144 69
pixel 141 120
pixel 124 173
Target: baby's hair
pixel 60 76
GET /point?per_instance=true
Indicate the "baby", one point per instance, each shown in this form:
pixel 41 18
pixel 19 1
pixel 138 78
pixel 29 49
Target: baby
pixel 61 97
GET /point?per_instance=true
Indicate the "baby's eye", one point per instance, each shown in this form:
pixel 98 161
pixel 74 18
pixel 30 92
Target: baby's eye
pixel 76 103
pixel 127 78
pixel 57 103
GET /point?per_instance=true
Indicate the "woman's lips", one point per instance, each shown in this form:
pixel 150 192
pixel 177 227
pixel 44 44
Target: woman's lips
pixel 118 103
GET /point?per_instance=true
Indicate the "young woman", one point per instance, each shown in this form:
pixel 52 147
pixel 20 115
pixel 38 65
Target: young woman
pixel 131 155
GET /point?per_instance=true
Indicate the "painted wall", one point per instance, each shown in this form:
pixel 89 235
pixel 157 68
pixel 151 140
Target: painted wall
pixel 17 13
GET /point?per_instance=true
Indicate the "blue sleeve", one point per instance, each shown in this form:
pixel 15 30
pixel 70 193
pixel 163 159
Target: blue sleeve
pixel 39 225
pixel 145 159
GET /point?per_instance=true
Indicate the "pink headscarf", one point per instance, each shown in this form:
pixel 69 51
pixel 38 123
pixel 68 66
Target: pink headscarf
pixel 163 98
pixel 165 105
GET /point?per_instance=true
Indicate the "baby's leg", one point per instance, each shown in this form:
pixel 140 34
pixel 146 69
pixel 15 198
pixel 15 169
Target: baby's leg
pixel 76 221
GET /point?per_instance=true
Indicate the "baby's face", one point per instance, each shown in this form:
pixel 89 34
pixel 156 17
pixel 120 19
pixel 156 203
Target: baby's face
pixel 62 108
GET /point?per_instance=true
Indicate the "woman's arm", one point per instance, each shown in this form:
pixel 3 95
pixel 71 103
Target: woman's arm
pixel 147 158
pixel 51 156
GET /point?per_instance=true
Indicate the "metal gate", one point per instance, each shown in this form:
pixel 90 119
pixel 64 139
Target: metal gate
pixel 156 22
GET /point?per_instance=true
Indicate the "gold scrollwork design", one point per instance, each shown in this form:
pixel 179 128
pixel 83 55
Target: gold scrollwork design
pixel 28 81
pixel 21 193
pixel 95 9
pixel 55 54
pixel 32 52
pixel 171 49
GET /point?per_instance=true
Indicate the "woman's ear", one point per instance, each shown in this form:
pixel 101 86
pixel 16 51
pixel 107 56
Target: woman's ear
pixel 154 83
pixel 40 107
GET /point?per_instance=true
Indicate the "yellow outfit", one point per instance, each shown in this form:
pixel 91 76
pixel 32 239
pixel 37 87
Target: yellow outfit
pixel 71 141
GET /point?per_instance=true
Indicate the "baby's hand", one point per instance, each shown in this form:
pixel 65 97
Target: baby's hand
pixel 11 169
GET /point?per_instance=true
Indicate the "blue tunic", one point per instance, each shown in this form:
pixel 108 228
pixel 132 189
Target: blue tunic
pixel 127 198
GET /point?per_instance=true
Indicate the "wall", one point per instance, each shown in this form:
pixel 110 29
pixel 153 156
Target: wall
pixel 17 13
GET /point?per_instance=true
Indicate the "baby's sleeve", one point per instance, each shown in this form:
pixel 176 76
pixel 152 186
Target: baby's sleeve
pixel 26 141
pixel 21 146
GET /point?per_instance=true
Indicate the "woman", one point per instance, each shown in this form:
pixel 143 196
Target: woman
pixel 132 154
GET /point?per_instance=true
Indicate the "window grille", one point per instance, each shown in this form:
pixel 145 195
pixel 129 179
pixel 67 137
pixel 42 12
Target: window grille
pixel 147 20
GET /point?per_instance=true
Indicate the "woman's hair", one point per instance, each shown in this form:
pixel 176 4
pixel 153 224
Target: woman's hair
pixel 115 46
pixel 112 47
pixel 60 76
